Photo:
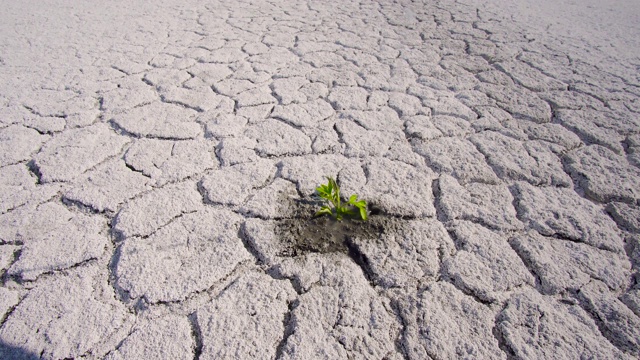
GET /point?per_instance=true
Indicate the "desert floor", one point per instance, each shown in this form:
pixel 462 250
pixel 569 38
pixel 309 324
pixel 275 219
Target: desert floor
pixel 159 159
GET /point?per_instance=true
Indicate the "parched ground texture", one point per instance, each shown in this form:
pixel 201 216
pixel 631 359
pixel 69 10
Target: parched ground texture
pixel 153 156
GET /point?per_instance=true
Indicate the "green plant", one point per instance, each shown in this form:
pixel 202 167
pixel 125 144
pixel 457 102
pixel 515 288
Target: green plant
pixel 330 193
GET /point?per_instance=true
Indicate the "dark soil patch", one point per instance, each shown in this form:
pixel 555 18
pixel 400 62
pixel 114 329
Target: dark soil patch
pixel 301 236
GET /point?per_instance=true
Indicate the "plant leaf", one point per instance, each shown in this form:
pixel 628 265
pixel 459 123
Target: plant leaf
pixel 325 192
pixel 363 213
pixel 335 191
pixel 325 210
pixel 321 189
pixel 362 207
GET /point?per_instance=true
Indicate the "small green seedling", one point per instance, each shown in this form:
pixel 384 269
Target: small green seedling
pixel 331 194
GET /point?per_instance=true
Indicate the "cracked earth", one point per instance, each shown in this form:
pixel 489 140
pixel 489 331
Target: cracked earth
pixel 158 163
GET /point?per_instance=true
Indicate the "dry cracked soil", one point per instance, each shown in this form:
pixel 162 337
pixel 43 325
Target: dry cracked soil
pixel 158 161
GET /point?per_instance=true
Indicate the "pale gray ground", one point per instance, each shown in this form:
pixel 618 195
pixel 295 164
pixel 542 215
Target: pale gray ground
pixel 158 160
